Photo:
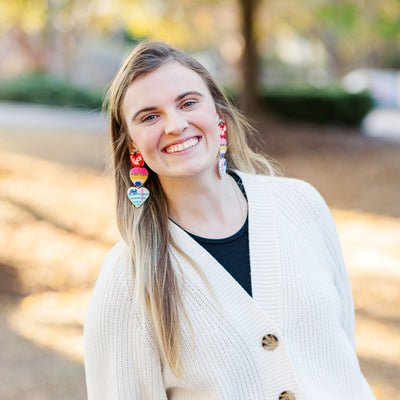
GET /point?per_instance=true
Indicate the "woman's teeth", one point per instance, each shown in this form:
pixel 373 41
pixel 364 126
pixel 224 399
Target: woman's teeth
pixel 182 146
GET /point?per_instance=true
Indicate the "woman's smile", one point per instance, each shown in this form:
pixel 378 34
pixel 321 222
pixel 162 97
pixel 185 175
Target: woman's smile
pixel 178 148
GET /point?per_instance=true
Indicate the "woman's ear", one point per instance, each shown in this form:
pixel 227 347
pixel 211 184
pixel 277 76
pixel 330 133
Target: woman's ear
pixel 131 145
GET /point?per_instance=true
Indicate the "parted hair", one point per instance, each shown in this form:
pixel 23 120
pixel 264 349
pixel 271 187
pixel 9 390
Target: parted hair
pixel 145 229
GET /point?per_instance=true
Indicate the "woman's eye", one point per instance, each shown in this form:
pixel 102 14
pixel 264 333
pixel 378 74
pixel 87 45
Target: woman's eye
pixel 188 103
pixel 149 118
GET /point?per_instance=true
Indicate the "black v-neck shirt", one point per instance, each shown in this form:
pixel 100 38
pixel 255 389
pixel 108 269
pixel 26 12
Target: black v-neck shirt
pixel 232 252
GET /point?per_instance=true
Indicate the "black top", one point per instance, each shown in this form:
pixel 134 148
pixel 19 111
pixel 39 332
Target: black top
pixel 232 252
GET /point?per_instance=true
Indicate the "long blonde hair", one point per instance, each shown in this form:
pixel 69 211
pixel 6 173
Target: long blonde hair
pixel 145 229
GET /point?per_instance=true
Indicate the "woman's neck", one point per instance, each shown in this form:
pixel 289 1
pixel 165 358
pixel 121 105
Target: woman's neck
pixel 209 207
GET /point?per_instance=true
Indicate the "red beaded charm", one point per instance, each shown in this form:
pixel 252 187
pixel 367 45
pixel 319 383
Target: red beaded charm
pixel 136 159
pixel 222 126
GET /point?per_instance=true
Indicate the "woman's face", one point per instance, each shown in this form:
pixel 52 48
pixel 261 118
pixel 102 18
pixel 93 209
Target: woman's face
pixel 172 121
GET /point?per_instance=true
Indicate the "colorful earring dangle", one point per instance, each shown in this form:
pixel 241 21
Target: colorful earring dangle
pixel 222 149
pixel 138 174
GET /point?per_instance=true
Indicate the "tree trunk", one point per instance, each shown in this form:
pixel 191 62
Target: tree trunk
pixel 248 101
pixel 34 52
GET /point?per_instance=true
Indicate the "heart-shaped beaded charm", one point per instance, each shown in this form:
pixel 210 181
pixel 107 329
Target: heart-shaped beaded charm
pixel 138 195
pixel 222 147
pixel 222 167
pixel 138 176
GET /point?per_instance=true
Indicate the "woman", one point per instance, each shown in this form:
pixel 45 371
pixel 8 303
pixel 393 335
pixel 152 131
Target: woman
pixel 224 285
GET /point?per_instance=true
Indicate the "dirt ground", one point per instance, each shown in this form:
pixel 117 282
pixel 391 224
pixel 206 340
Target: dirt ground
pixel 57 223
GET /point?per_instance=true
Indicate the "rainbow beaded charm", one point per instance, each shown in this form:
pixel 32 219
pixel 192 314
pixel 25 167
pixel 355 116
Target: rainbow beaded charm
pixel 138 174
pixel 222 149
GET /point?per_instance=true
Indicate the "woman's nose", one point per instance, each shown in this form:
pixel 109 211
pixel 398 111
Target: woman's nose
pixel 175 123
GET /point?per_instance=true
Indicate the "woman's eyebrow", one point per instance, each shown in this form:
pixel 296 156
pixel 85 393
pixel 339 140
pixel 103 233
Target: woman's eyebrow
pixel 178 98
pixel 181 96
pixel 143 110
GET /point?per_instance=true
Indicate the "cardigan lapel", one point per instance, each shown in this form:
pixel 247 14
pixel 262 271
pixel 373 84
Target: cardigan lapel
pixel 264 259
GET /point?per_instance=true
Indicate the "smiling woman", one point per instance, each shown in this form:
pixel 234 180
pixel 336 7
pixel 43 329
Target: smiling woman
pixel 223 286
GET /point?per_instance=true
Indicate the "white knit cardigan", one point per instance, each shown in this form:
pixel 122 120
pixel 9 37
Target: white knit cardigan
pixel 301 295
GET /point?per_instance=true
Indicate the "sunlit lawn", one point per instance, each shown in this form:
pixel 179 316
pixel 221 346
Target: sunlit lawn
pixel 57 223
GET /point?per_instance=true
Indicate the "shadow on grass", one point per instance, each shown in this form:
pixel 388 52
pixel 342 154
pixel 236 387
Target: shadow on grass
pixel 39 216
pixel 390 322
pixel 382 374
pixel 32 372
pixel 9 281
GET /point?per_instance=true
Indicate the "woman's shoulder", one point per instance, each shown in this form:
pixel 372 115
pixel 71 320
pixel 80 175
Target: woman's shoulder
pixel 117 255
pixel 289 196
pixel 294 189
pixel 116 262
pixel 281 186
pixel 113 285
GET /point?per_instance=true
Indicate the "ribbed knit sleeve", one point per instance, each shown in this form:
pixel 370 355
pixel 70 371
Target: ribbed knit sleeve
pixel 315 208
pixel 121 359
pixel 329 232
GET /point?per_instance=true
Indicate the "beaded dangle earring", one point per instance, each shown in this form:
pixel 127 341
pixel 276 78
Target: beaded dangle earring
pixel 138 174
pixel 222 149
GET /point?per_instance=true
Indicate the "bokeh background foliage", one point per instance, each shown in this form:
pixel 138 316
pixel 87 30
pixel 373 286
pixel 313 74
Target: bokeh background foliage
pixel 42 88
pixel 331 105
pixel 249 45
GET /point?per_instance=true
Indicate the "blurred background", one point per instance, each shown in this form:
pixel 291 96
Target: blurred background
pixel 320 81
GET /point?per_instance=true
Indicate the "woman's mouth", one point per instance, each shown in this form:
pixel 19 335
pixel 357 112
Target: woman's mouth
pixel 176 148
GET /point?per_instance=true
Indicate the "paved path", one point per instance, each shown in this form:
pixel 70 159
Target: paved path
pixel 70 136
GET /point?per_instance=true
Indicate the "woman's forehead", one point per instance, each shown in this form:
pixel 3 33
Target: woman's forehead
pixel 164 84
pixel 172 76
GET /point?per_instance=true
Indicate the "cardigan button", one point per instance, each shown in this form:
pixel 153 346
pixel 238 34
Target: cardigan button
pixel 269 342
pixel 287 396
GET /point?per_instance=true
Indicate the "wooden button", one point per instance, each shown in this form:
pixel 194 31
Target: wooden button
pixel 269 342
pixel 287 396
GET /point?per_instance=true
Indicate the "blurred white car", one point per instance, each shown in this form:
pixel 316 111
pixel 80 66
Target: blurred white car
pixel 383 84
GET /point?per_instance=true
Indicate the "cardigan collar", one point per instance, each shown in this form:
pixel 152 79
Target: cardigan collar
pixel 264 260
